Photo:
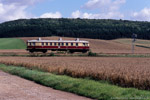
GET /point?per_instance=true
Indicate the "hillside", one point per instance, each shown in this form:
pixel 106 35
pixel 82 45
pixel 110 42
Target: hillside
pixel 117 46
pixel 82 28
pixel 106 46
pixel 11 43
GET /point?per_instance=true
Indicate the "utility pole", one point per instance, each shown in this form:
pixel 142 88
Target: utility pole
pixel 134 36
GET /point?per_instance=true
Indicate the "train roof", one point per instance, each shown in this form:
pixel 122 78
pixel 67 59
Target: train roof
pixel 60 40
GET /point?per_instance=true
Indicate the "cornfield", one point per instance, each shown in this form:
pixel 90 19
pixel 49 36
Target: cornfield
pixel 126 72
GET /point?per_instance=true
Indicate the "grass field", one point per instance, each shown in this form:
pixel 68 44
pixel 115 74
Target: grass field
pixel 138 42
pixel 97 46
pixel 12 43
pixel 106 46
pixel 126 72
pixel 119 47
pixel 100 90
pixel 121 71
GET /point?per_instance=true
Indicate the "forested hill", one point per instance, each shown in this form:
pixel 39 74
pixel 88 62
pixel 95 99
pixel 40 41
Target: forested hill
pixel 85 28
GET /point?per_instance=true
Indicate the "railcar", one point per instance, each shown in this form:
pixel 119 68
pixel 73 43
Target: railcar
pixel 40 45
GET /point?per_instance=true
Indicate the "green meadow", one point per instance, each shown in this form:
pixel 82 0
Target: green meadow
pixel 12 43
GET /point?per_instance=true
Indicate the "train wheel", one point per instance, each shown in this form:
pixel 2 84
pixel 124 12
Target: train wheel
pixel 84 51
pixel 71 51
pixel 31 51
pixel 44 51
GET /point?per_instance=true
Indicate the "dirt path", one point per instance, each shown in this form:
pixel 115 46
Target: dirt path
pixel 16 88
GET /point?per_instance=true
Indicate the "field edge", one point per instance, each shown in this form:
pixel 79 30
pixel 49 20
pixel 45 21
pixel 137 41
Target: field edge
pixel 100 90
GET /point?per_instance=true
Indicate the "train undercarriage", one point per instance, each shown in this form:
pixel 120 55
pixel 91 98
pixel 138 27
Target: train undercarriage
pixel 65 50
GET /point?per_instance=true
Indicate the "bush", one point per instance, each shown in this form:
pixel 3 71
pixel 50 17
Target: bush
pixel 51 54
pixel 92 54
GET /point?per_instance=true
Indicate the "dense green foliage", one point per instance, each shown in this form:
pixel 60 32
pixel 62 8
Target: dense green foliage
pixel 85 28
pixel 94 89
pixel 12 43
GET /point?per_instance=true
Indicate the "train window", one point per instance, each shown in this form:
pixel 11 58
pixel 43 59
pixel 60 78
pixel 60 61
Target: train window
pixel 46 44
pixel 58 44
pixel 66 44
pixel 71 44
pixel 83 44
pixel 30 44
pixel 62 44
pixel 55 44
pixel 51 44
pixel 76 44
pixel 33 43
pixel 42 44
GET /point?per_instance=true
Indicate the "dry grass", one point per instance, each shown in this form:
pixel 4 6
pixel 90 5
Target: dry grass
pixel 127 72
pixel 137 42
pixel 103 46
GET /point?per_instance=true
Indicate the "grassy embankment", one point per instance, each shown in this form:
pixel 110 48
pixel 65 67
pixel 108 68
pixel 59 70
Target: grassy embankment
pixel 100 90
pixel 12 43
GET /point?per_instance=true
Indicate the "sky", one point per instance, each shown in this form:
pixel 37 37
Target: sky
pixel 137 10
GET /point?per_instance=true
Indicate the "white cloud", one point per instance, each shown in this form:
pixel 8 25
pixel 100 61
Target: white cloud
pixel 12 12
pixel 104 5
pixel 143 15
pixel 76 14
pixel 15 9
pixel 1 9
pixel 20 2
pixel 51 15
pixel 107 9
pixel 112 15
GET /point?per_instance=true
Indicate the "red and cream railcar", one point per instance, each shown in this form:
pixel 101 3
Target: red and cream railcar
pixel 57 45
